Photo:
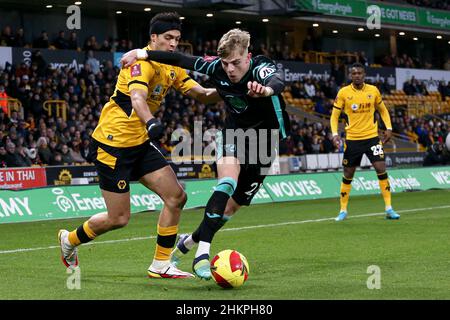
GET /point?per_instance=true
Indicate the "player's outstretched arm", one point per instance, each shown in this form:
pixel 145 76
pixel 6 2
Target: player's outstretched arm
pixel 166 57
pixel 204 95
pixel 129 58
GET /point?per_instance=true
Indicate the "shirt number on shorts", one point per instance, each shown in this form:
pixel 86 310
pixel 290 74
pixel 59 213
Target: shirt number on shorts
pixel 253 188
pixel 377 150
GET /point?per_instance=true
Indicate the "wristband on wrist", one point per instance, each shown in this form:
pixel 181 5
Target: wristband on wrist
pixel 150 122
pixel 269 91
pixel 141 54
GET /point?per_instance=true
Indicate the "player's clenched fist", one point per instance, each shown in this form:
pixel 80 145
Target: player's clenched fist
pixel 129 58
pixel 257 90
pixel 155 129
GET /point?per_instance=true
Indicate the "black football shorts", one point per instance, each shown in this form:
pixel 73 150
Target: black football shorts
pixel 355 149
pixel 116 167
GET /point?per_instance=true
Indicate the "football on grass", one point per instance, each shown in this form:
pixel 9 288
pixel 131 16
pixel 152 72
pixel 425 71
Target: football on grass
pixel 229 269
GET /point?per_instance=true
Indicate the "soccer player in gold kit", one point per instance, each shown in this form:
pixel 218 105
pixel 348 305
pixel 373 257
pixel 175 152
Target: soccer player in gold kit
pixel 358 102
pixel 122 150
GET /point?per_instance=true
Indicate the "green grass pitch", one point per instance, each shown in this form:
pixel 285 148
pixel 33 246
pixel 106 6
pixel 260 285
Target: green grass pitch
pixel 295 251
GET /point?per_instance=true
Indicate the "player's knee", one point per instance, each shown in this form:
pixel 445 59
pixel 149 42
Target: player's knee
pixel 182 199
pixel 177 200
pixel 119 221
pixel 349 173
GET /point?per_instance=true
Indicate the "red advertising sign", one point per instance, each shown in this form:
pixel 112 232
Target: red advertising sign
pixel 22 178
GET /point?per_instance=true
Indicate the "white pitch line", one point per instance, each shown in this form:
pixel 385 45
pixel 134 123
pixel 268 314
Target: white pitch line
pixel 326 219
pixel 86 244
pixel 231 229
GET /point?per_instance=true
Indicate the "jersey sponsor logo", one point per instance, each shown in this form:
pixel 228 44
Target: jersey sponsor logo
pixel 238 104
pixel 172 74
pixel 350 98
pixel 136 70
pixel 266 71
pixel 355 107
pixel 224 83
pixel 369 96
pixel 157 91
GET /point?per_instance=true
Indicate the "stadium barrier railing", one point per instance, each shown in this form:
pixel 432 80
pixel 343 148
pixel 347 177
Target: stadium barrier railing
pixel 14 104
pixel 56 107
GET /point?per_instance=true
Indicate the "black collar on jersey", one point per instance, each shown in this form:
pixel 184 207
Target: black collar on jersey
pixel 160 27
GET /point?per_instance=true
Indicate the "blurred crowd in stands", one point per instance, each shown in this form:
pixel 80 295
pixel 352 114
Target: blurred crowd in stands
pixel 34 138
pixel 62 40
pixel 415 87
pixel 37 139
pixel 426 131
pixel 276 51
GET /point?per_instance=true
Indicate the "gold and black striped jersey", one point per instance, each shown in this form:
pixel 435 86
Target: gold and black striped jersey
pixel 358 108
pixel 119 126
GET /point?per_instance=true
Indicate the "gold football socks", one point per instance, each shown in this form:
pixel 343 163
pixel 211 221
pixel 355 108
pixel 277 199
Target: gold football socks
pixel 165 242
pixel 346 186
pixel 385 188
pixel 82 234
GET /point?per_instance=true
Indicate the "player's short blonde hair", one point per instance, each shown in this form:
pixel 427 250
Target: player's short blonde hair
pixel 232 40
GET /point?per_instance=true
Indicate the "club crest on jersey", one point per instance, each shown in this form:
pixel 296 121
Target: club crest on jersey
pixel 136 70
pixel 355 107
pixel 266 71
pixel 172 74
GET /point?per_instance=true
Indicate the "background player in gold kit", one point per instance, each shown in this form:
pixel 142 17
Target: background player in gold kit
pixel 122 150
pixel 358 103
